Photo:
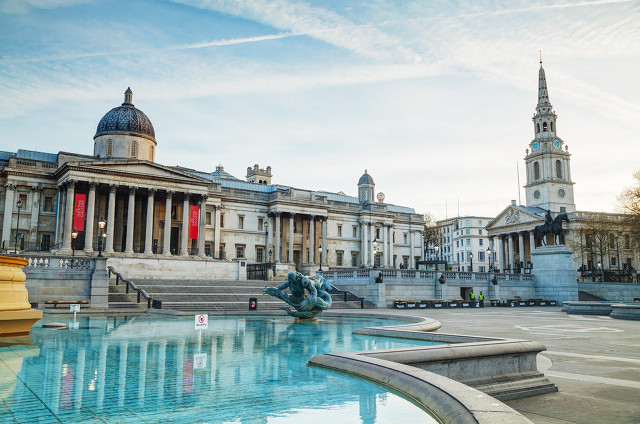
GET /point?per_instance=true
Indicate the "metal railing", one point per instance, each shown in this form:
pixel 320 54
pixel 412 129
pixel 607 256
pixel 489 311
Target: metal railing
pixel 129 283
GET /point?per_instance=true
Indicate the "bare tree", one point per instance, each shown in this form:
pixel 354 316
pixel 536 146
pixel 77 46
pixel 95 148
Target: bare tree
pixel 629 203
pixel 432 231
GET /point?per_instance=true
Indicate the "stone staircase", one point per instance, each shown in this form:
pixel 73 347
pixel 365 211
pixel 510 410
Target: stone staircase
pixel 588 297
pixel 205 295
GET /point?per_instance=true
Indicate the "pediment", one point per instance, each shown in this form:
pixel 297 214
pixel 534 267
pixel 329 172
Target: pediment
pixel 516 216
pixel 135 169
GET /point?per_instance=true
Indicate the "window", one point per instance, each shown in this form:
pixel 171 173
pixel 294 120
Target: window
pixel 467 223
pixel 537 128
pixel 339 257
pixel 551 125
pixel 109 148
pixel 627 241
pixel 260 224
pixel 354 259
pixel 151 153
pixel 468 242
pixel 355 231
pixel 405 262
pixel 468 231
pixel 536 170
pixel 558 169
pixel 482 269
pixel 480 222
pixel 259 254
pixel 393 237
pixel 23 200
pixel 48 204
pixel 614 261
pixel 544 127
pixel 221 254
pixel 481 256
pixel 480 232
pixel 207 249
pixel 339 230
pixel 134 148
pixel 378 233
pixel 240 225
pixel 221 220
pixel 239 250
pixel 457 243
pixel 563 209
pixel 405 238
pixel 480 242
pixel 207 218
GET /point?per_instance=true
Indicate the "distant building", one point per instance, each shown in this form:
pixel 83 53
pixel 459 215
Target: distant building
pixel 463 236
pixel 153 209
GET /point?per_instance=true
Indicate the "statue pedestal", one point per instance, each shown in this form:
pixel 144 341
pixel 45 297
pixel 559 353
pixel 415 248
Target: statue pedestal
pixel 16 315
pixel 18 322
pixel 554 273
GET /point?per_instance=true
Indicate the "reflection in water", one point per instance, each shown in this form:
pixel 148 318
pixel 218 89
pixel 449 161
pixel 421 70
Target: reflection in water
pixel 244 370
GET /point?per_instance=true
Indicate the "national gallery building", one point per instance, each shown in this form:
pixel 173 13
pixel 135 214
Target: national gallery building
pixel 120 201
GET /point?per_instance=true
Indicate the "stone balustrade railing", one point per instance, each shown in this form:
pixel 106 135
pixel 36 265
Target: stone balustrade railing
pixel 49 262
pixel 390 275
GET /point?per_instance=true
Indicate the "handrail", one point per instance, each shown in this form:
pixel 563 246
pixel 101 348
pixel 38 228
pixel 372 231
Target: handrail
pixel 348 296
pixel 131 284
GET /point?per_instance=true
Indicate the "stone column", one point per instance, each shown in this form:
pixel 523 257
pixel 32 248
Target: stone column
pixel 532 243
pixel 166 241
pixel 111 217
pixel 383 231
pixel 276 254
pixel 217 234
pixel 312 235
pixel 35 215
pixel 68 220
pixel 267 244
pixel 391 245
pixel 521 250
pixel 372 236
pixel 363 243
pixel 512 252
pixel 59 216
pixel 185 225
pixel 323 256
pixel 131 209
pixel 504 246
pixel 203 211
pixel 148 231
pixel 8 214
pixel 412 261
pixel 91 207
pixel 290 259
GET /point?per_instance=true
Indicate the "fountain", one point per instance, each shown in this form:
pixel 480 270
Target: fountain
pixel 16 315
pixel 309 296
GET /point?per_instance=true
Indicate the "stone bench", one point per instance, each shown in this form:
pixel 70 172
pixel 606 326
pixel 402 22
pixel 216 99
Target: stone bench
pixel 587 308
pixel 625 311
pixel 55 303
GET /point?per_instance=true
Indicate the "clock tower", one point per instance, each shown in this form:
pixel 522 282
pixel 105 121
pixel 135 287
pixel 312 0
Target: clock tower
pixel 548 162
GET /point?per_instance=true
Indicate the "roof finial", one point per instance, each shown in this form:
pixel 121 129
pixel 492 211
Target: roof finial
pixel 540 58
pixel 365 171
pixel 128 96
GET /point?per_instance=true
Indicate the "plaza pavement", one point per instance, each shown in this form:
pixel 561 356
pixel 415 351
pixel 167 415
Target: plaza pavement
pixel 594 360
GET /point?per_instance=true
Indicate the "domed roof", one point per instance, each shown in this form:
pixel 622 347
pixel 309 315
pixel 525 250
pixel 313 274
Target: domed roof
pixel 365 179
pixel 126 119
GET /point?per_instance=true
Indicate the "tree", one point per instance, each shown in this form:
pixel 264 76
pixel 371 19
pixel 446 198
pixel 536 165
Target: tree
pixel 629 203
pixel 432 231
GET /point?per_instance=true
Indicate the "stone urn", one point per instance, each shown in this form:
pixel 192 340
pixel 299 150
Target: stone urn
pixel 16 315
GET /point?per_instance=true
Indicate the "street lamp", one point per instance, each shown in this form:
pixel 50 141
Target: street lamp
pixel 266 235
pixel 435 249
pixel 74 236
pixel 375 251
pixel 19 205
pixel 320 251
pixel 101 225
pixel 489 257
pixel 471 261
pixel 600 271
pixel 270 252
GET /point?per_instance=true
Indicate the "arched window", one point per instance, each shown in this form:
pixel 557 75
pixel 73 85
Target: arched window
pixel 151 153
pixel 537 128
pixel 536 170
pixel 551 124
pixel 544 127
pixel 109 148
pixel 558 169
pixel 134 148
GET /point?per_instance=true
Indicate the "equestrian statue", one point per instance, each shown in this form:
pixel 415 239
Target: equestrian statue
pixel 550 226
pixel 309 296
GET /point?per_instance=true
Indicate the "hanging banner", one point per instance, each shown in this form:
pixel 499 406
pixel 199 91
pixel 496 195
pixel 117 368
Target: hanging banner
pixel 78 216
pixel 193 230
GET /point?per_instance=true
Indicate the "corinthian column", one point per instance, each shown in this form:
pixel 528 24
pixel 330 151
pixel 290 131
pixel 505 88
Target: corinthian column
pixel 130 218
pixel 68 220
pixel 148 233
pixel 111 216
pixel 91 204
pixel 203 210
pixel 166 242
pixel 185 226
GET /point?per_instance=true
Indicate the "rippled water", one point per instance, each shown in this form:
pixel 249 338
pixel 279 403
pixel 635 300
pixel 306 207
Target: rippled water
pixel 241 370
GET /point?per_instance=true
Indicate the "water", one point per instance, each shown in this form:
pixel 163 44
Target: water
pixel 148 369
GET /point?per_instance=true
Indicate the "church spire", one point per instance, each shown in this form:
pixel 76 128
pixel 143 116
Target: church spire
pixel 543 93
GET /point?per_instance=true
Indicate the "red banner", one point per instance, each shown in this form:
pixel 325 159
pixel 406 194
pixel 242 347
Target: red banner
pixel 78 216
pixel 193 230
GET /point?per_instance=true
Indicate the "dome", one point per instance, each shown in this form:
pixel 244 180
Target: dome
pixel 126 119
pixel 365 179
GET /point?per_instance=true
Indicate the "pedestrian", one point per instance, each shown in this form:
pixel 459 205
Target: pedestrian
pixel 472 296
pixel 481 299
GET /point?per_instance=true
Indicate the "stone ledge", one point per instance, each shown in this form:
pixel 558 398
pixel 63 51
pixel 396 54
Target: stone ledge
pixel 625 311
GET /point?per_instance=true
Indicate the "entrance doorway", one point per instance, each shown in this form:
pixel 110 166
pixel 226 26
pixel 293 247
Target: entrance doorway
pixel 296 259
pixel 465 293
pixel 175 233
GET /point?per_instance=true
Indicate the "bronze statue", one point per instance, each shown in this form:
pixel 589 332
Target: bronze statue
pixel 309 296
pixel 550 226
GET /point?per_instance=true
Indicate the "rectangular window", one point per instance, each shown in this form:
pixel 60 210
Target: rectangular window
pixel 480 232
pixel 468 231
pixel 221 254
pixel 481 256
pixel 339 257
pixel 48 204
pixel 467 223
pixel 207 249
pixel 23 200
pixel 339 230
pixel 354 259
pixel 480 222
pixel 457 243
pixel 355 232
pixel 405 262
pixel 260 225
pixel 468 242
pixel 259 254
pixel 221 220
pixel 239 250
pixel 405 238
pixel 482 269
pixel 240 225
pixel 393 237
pixel 480 242
pixel 614 261
pixel 207 218
pixel 378 233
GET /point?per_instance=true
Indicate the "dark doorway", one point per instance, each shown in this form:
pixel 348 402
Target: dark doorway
pixel 175 233
pixel 465 292
pixel 296 259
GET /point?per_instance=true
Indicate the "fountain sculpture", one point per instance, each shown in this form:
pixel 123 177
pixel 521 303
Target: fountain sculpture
pixel 309 296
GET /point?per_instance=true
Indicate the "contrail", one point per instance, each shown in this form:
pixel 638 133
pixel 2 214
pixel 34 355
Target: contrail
pixel 218 43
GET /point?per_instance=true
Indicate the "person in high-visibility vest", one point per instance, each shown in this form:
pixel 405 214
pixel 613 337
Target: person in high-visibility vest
pixel 472 296
pixel 481 299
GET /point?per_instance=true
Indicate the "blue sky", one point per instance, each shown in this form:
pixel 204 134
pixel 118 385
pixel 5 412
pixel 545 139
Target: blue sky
pixel 433 98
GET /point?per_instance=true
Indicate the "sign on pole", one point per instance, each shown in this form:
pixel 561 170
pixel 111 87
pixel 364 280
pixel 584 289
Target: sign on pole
pixel 199 361
pixel 202 322
pixel 74 308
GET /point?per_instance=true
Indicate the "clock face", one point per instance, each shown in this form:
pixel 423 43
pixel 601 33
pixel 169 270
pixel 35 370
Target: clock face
pixel 536 194
pixel 561 193
pixel 535 146
pixel 556 144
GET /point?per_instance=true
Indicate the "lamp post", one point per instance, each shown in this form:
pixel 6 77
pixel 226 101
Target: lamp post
pixel 436 248
pixel 320 252
pixel 266 236
pixel 618 257
pixel 101 225
pixel 471 261
pixel 19 205
pixel 600 271
pixel 489 257
pixel 375 251
pixel 270 252
pixel 74 236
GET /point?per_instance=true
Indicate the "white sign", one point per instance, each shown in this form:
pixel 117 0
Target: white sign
pixel 74 308
pixel 202 322
pixel 199 361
